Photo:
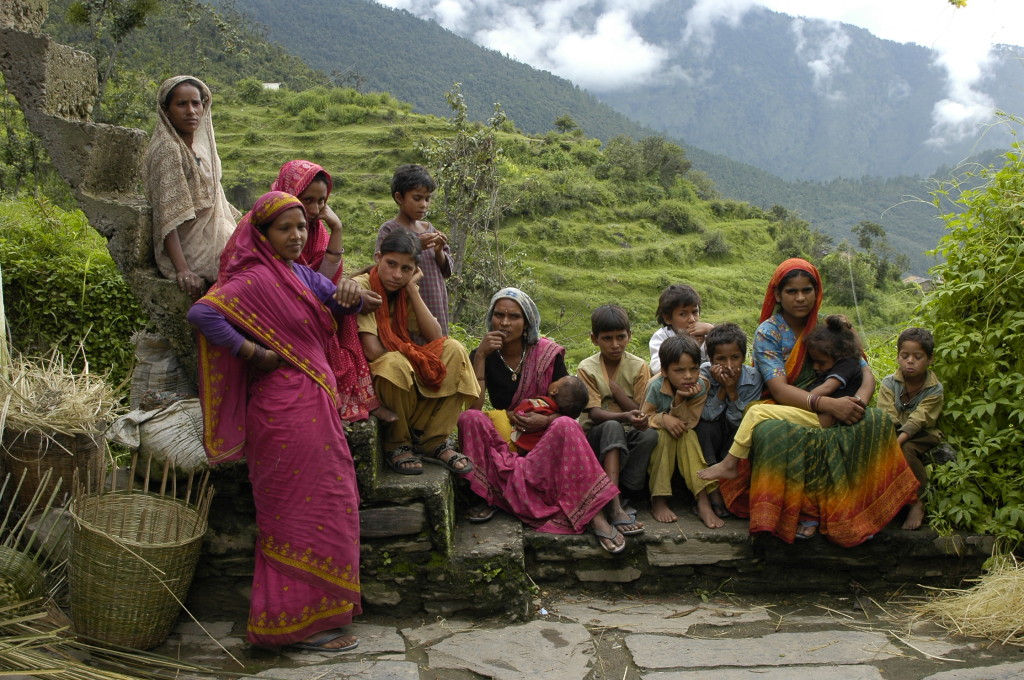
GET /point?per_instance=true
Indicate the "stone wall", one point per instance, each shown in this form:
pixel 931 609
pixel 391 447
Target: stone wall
pixel 56 87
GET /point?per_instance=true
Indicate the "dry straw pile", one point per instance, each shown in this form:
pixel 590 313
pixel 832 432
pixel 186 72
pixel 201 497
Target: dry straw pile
pixel 992 609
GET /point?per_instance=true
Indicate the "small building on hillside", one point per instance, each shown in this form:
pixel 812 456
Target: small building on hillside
pixel 926 284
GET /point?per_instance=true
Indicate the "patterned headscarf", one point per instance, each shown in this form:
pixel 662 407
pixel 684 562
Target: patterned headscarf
pixel 174 185
pixel 247 245
pixel 795 361
pixel 530 311
pixel 294 178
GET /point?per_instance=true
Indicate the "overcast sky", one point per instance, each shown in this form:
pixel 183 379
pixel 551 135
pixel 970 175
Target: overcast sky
pixel 609 54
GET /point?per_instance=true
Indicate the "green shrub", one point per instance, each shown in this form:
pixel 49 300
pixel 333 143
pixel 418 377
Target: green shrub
pixel 715 245
pixel 310 119
pixel 250 90
pixel 677 217
pixel 977 315
pixel 61 287
pixel 345 114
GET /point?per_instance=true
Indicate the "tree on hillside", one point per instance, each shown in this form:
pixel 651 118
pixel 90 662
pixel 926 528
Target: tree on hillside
pixel 466 164
pixel 977 315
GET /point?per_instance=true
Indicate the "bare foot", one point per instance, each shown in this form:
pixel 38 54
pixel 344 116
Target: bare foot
pixel 661 510
pixel 726 469
pixel 383 413
pixel 707 513
pixel 914 517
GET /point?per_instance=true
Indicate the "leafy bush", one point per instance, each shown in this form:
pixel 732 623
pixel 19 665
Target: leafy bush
pixel 345 114
pixel 309 119
pixel 61 287
pixel 250 90
pixel 678 218
pixel 977 315
pixel 715 245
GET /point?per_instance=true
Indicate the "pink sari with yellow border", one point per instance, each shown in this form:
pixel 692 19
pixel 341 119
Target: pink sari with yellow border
pixel 286 424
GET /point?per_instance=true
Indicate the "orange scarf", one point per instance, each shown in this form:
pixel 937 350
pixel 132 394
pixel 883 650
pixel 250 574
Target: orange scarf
pixel 394 335
pixel 795 360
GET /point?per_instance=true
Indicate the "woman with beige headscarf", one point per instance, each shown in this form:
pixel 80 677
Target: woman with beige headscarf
pixel 192 219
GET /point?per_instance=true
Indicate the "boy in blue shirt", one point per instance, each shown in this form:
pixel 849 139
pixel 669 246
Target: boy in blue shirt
pixel 734 385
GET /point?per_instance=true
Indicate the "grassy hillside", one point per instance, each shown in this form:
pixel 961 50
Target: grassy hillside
pixel 587 226
pixel 367 44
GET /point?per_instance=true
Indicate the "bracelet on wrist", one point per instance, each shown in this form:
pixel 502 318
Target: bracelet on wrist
pixel 339 252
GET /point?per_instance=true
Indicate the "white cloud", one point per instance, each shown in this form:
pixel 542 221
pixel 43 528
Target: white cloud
pixel 611 57
pixel 607 55
pixel 823 52
pixel 705 14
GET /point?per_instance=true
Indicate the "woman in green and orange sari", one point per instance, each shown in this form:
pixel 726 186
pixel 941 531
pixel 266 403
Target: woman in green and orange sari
pixel 790 476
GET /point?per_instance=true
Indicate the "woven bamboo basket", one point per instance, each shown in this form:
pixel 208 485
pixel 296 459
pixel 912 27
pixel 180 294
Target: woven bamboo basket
pixel 22 573
pixel 35 453
pixel 133 556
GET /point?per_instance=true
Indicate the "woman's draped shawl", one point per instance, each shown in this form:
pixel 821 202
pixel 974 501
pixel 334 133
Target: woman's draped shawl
pixel 293 178
pixel 177 188
pixel 795 360
pixel 258 294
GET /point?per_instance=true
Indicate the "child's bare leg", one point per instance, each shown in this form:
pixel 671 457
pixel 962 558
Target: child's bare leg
pixel 661 510
pixel 706 512
pixel 625 523
pixel 726 469
pixel 915 516
pixel 826 420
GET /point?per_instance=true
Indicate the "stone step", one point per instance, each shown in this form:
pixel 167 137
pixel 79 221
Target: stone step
pixel 44 75
pixel 685 556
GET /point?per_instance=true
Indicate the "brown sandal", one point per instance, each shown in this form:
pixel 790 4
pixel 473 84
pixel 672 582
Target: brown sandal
pixel 447 445
pixel 399 462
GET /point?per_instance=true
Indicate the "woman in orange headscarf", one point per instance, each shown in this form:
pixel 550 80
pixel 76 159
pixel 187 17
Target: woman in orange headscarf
pixel 844 482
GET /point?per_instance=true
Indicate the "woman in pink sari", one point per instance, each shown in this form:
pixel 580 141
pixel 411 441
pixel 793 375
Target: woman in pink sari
pixel 323 253
pixel 559 487
pixel 266 375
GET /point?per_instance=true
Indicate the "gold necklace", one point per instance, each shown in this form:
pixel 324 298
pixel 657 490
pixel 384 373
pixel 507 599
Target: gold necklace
pixel 514 371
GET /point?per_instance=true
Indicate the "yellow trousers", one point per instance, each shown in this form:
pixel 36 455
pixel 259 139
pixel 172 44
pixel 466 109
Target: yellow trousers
pixel 683 453
pixel 425 417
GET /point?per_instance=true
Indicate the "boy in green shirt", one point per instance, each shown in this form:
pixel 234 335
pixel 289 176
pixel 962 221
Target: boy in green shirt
pixel 912 396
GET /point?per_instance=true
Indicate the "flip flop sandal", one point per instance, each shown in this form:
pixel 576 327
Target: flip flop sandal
pixel 481 514
pixel 619 523
pixel 611 537
pixel 318 645
pixel 397 462
pixel 806 524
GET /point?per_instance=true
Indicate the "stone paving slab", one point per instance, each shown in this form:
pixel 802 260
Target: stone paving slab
pixel 785 673
pixel 432 633
pixel 347 670
pixel 539 649
pixel 1006 671
pixel 777 649
pixel 372 640
pixel 652 617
